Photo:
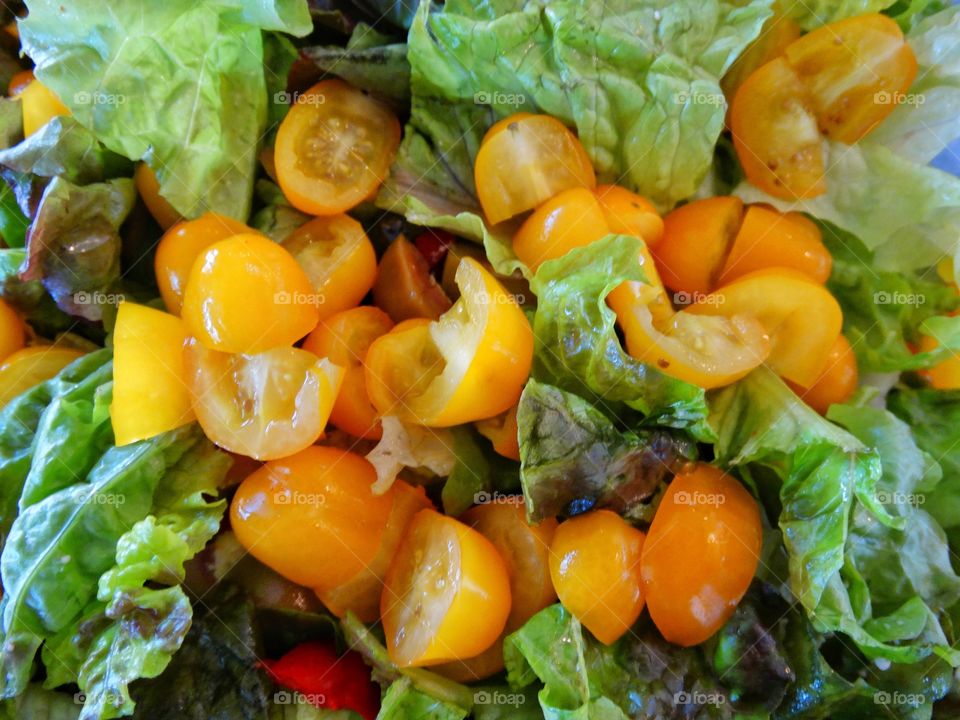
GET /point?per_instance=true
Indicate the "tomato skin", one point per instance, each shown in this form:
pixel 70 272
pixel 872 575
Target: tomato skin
pixel 630 214
pixel 571 219
pixel 525 550
pixel 12 331
pixel 247 294
pixel 30 366
pixel 696 239
pixel 345 339
pixel 700 555
pixel 778 31
pixel 148 187
pixel 334 148
pixel 775 133
pixel 503 432
pixel 855 71
pixel 312 516
pixel 404 288
pixel 149 379
pixel 837 380
pixel 181 245
pixel 19 81
pixel 523 161
pixel 40 105
pixel 595 566
pixel 446 595
pixel 767 238
pixel 338 258
pixel 945 375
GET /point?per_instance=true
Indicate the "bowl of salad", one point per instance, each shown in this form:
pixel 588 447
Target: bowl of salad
pixel 566 360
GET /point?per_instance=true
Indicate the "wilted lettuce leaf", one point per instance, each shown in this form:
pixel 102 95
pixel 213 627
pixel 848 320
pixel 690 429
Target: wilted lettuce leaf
pixel 31 299
pixel 179 84
pixel 377 67
pixel 577 348
pixel 884 312
pixel 833 494
pixel 575 459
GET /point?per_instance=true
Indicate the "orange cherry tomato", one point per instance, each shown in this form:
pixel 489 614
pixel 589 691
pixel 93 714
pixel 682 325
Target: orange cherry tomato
pixel 526 159
pixel 264 405
pixel 686 346
pixel 12 331
pixel 248 294
pixel 19 81
pixel 312 516
pixel 339 259
pixel 181 245
pixel 837 380
pixel 700 555
pixel 801 317
pixel 446 595
pixel 470 364
pixel 777 32
pixel 525 550
pixel 503 432
pixel 630 214
pixel 30 366
pixel 855 71
pixel 405 288
pixel 334 148
pixel 595 566
pixel 775 133
pixel 40 105
pixel 768 238
pixel 344 339
pixel 361 593
pixel 148 187
pixel 150 393
pixel 568 220
pixel 696 239
pixel 945 375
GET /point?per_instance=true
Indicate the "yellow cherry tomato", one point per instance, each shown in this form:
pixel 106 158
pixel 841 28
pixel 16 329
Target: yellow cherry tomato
pixel 181 245
pixel 40 105
pixel 19 81
pixel 469 365
pixel 836 382
pixel 345 339
pixel 31 366
pixel 150 393
pixel 148 187
pixel 405 287
pixel 945 375
pixel 361 593
pixel 248 294
pixel 777 32
pixel 334 148
pixel 801 317
pixel 264 405
pixel 12 331
pixel 595 566
pixel 630 214
pixel 526 159
pixel 525 550
pixel 775 133
pixel 503 432
pixel 856 71
pixel 339 259
pixel 312 516
pixel 446 595
pixel 700 555
pixel 568 220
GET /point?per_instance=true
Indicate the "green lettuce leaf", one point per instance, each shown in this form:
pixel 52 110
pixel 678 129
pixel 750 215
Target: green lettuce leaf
pixel 478 473
pixel 11 122
pixel 36 703
pixel 31 299
pixel 178 84
pixel 403 700
pixel 13 223
pixel 812 14
pixel 576 344
pixel 277 218
pixel 575 459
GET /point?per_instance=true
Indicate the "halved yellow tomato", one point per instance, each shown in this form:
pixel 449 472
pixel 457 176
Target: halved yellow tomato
pixel 801 317
pixel 695 349
pixel 568 220
pixel 247 294
pixel 150 393
pixel 12 331
pixel 181 245
pixel 945 375
pixel 334 148
pixel 777 32
pixel 525 550
pixel 775 133
pixel 836 382
pixel 855 72
pixel 630 214
pixel 503 432
pixel 31 366
pixel 40 105
pixel 264 405
pixel 526 159
pixel 148 187
pixel 405 288
pixel 339 259
pixel 446 595
pixel 469 365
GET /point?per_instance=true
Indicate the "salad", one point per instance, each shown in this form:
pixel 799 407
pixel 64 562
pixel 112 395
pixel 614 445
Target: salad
pixel 567 360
